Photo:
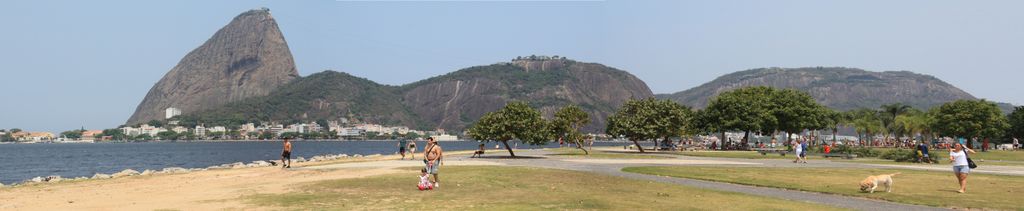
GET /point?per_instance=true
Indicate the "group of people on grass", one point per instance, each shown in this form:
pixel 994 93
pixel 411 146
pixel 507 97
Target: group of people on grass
pixel 432 159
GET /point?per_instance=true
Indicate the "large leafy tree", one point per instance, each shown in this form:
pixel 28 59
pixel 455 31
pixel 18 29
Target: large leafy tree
pixel 969 119
pixel 567 123
pixel 650 119
pixel 516 121
pixel 674 120
pixel 796 110
pixel 746 109
pixel 636 120
pixel 1016 122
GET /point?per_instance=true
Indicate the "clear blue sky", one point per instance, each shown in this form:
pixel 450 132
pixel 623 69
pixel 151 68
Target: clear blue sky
pixel 68 64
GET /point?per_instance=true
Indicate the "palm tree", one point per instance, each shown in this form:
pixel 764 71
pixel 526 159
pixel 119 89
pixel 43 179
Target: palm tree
pixel 866 122
pixel 891 111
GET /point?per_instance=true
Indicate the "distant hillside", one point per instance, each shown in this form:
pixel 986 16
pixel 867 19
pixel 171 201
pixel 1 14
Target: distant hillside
pixel 451 101
pixel 454 100
pixel 835 87
pixel 323 96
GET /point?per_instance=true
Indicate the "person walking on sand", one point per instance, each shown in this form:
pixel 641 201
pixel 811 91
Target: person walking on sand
pixel 286 154
pixel 402 143
pixel 412 149
pixel 958 156
pixel 433 155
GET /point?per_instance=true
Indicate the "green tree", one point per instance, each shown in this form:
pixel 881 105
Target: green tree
pixel 115 134
pixel 640 120
pixel 156 123
pixel 891 111
pixel 167 135
pixel 796 111
pixel 866 122
pixel 969 119
pixel 835 120
pixel 911 123
pixel 516 121
pixel 234 134
pixel 746 109
pixel 674 120
pixel 1016 120
pixel 291 135
pixel 72 134
pixel 143 137
pixel 567 123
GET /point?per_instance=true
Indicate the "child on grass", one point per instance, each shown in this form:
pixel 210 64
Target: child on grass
pixel 425 181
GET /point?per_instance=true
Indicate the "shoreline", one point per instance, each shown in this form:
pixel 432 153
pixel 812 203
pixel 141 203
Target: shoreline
pixel 272 140
pixel 323 159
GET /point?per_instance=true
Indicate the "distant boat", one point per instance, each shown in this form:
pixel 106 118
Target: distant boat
pixel 445 137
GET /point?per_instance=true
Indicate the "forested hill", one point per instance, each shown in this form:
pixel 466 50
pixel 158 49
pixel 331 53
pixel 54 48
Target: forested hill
pixel 835 87
pixel 451 101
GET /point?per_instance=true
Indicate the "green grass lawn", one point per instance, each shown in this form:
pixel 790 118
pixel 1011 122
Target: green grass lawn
pixel 514 188
pixel 734 154
pixel 577 153
pixel 996 155
pixel 913 187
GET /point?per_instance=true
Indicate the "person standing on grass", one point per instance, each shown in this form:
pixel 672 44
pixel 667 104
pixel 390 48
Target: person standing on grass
pixel 923 153
pixel 1016 144
pixel 797 150
pixel 958 156
pixel 432 155
pixel 803 155
pixel 286 154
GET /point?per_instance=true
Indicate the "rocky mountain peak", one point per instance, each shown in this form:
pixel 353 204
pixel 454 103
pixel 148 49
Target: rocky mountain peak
pixel 248 57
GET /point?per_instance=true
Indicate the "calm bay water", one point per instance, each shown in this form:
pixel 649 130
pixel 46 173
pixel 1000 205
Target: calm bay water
pixel 20 162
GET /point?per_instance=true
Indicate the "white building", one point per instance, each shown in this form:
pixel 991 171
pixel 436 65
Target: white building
pixel 179 129
pixel 351 132
pixel 171 112
pixel 217 129
pixel 200 131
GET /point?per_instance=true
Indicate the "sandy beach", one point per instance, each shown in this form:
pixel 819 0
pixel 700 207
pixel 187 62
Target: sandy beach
pixel 217 189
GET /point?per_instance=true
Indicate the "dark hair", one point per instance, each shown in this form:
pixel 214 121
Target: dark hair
pixel 430 138
pixel 423 170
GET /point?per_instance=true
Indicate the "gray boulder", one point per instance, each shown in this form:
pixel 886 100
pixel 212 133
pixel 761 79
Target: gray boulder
pixel 174 170
pixel 125 173
pixel 262 163
pixel 101 176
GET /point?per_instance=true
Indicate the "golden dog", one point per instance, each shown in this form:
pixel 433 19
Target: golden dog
pixel 872 182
